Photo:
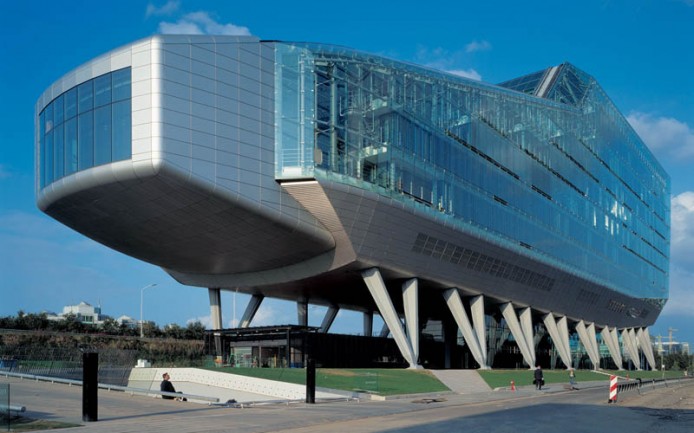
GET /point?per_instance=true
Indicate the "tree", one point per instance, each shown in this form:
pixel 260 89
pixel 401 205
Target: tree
pixel 195 331
pixel 34 321
pixel 173 330
pixel 110 326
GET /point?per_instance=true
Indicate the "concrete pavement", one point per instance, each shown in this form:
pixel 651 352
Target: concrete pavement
pixel 525 410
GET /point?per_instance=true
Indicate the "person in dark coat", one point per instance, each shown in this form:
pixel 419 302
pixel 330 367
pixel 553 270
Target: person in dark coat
pixel 167 386
pixel 539 378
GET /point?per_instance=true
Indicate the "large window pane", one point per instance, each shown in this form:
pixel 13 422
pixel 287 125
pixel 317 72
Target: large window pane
pixel 48 113
pixel 85 96
pixel 58 141
pixel 102 90
pixel 71 146
pixel 85 140
pixel 121 84
pixel 42 149
pixel 58 110
pixel 49 158
pixel 102 135
pixel 122 141
pixel 71 103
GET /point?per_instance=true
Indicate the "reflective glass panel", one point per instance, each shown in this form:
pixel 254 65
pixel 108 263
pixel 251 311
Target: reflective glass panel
pixel 102 135
pixel 85 96
pixel 102 90
pixel 85 140
pixel 122 141
pixel 71 146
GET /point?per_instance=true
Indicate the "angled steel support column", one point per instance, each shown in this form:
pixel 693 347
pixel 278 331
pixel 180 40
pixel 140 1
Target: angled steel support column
pixel 410 298
pixel 215 307
pixel 455 304
pixel 251 309
pixel 594 343
pixel 646 346
pixel 610 338
pixel 377 288
pixel 384 331
pixel 585 337
pixel 526 322
pixel 329 318
pixel 368 323
pixel 629 341
pixel 302 312
pixel 216 318
pixel 563 326
pixel 511 318
pixel 557 338
pixel 477 310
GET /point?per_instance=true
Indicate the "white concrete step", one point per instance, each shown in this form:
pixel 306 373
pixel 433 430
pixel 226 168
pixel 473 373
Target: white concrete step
pixel 462 381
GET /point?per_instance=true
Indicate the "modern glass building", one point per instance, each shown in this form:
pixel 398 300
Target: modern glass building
pixel 325 175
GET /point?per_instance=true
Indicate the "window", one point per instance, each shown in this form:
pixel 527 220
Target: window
pixel 86 126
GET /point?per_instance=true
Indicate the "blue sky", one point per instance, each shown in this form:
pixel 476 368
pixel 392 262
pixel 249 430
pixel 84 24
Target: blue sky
pixel 640 51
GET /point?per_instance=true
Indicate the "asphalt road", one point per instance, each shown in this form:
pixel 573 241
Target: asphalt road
pixel 553 410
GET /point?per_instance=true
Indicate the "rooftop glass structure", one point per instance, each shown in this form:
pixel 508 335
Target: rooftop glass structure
pixel 562 178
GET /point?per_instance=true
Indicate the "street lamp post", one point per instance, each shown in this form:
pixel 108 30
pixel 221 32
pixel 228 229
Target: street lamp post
pixel 142 298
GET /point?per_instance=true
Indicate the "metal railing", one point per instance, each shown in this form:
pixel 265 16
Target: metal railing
pixel 644 385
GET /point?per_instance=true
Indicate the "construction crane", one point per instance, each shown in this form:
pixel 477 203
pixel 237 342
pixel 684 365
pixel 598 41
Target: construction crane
pixel 670 331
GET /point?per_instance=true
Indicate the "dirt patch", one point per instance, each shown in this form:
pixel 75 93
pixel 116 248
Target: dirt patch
pixel 22 424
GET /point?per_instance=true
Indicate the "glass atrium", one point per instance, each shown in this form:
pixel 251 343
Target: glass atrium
pixel 561 178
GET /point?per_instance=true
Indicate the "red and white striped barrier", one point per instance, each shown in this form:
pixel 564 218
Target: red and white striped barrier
pixel 613 389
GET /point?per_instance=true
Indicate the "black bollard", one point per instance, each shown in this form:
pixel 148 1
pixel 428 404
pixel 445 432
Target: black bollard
pixel 310 381
pixel 90 386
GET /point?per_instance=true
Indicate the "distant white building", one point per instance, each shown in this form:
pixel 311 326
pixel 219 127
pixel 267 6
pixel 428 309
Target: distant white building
pixel 85 313
pixel 127 320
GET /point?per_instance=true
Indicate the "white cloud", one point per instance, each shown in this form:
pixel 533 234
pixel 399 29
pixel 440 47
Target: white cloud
pixel 681 296
pixel 664 134
pixel 682 229
pixel 468 73
pixel 476 46
pixel 168 8
pixel 205 320
pixel 444 60
pixel 200 23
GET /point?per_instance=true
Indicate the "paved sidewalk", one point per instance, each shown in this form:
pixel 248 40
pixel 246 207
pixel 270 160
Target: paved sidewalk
pixel 120 412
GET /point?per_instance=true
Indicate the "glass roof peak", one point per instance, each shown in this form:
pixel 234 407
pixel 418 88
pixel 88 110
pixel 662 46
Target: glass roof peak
pixel 563 83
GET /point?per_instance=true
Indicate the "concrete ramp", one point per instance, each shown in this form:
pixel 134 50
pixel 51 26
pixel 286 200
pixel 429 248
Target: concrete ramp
pixel 462 381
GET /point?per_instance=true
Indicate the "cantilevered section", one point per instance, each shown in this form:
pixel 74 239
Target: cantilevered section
pixel 325 175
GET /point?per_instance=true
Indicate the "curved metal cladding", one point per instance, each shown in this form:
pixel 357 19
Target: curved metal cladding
pixel 163 150
pixel 544 197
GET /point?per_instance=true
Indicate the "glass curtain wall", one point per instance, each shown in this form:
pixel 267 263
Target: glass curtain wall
pixel 86 126
pixel 570 184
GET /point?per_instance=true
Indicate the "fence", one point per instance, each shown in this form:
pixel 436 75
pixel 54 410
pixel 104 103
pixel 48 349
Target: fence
pixel 66 363
pixel 641 386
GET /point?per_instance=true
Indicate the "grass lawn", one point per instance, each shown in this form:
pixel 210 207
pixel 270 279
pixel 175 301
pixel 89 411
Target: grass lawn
pixel 377 381
pixel 402 381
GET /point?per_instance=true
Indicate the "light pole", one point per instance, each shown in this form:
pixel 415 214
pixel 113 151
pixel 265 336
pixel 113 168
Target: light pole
pixel 142 298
